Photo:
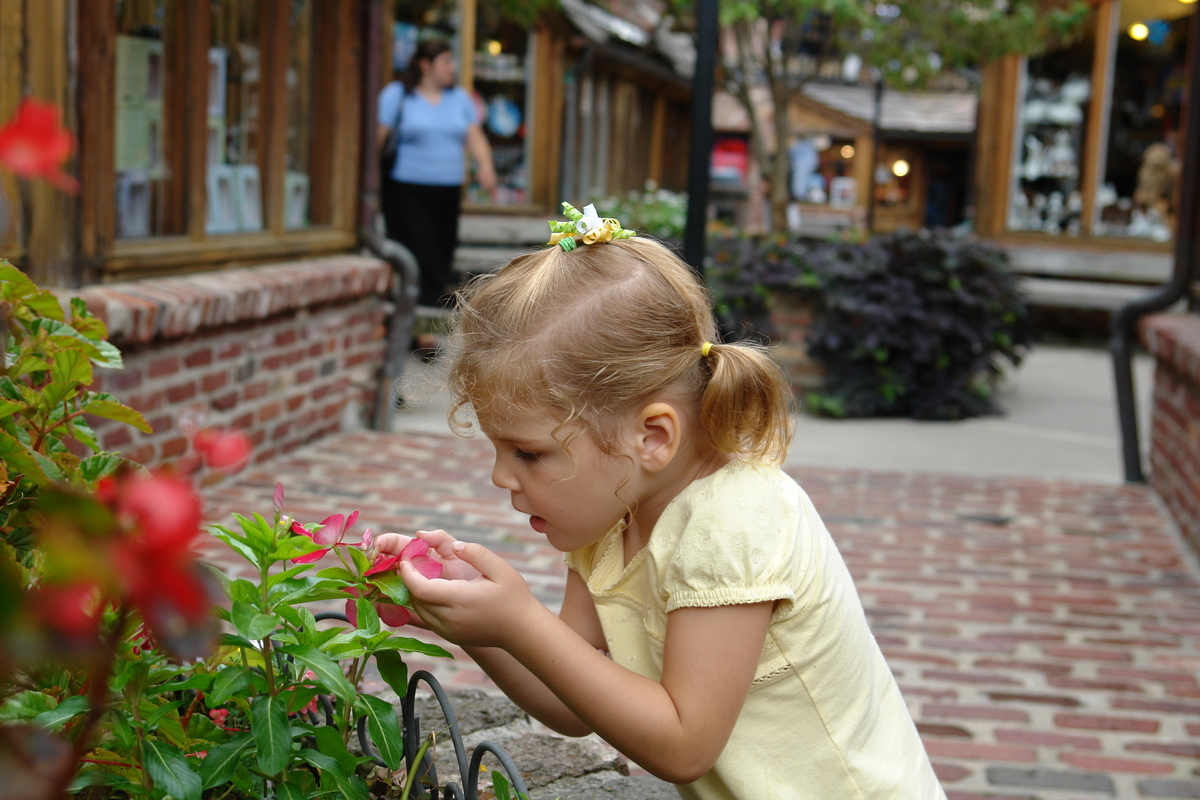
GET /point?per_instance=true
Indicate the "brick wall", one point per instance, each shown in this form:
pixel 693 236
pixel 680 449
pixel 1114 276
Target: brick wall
pixel 791 319
pixel 1174 341
pixel 286 352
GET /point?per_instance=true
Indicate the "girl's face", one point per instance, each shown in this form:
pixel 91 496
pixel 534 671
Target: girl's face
pixel 441 69
pixel 570 496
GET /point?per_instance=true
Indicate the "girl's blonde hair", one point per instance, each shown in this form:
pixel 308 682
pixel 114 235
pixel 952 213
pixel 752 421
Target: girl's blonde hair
pixel 591 336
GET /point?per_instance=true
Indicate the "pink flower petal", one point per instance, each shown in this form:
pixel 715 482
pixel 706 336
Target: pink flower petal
pixel 366 540
pixel 352 611
pixel 298 529
pixel 277 500
pixel 417 547
pixel 330 531
pixel 350 522
pixel 309 558
pixel 382 564
pixel 393 615
pixel 428 567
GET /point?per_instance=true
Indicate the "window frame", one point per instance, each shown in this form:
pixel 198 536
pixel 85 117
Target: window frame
pixel 337 132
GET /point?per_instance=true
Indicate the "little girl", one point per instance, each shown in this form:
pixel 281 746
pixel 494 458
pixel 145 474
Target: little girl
pixel 709 630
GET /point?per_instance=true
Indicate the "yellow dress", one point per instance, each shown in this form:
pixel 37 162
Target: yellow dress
pixel 824 718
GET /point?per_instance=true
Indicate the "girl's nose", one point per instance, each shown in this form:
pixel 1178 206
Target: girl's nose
pixel 503 478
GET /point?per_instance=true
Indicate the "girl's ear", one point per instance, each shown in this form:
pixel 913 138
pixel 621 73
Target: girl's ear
pixel 658 436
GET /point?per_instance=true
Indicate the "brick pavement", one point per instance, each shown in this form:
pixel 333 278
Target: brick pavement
pixel 1046 635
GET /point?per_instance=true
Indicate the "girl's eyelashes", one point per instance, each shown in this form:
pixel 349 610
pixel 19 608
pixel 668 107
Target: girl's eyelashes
pixel 525 456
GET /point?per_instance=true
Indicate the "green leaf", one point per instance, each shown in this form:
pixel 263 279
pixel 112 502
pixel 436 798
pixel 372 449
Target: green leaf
pixel 288 791
pixel 272 733
pixel 329 742
pixel 384 728
pixel 336 574
pixel 500 785
pixel 294 547
pixel 391 585
pixel 18 459
pixel 71 369
pixel 9 407
pixel 67 710
pixel 111 409
pixel 93 468
pixel 229 640
pixel 201 681
pixel 222 761
pixel 250 623
pixel 229 682
pixel 26 706
pixel 287 574
pixel 325 668
pixel 393 670
pixel 323 762
pixel 409 645
pixel 170 770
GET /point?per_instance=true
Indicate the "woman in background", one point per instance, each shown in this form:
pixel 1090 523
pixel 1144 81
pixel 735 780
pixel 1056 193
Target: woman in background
pixel 422 195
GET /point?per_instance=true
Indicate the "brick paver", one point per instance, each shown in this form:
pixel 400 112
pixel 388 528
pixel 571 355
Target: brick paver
pixel 1046 635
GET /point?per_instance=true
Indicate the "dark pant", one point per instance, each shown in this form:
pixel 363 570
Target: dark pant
pixel 425 220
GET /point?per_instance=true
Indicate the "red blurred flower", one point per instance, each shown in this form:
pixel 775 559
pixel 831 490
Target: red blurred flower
pixel 163 507
pixel 71 610
pixel 34 145
pixel 228 451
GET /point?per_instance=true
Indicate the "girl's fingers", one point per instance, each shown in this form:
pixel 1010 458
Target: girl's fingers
pixel 391 543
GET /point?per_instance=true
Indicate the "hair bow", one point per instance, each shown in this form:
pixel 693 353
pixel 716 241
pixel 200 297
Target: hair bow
pixel 586 224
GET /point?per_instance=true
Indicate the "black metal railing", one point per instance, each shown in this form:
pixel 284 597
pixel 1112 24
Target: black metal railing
pixel 426 769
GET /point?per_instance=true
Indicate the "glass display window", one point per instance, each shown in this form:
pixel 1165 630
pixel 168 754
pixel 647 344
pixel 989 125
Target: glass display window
pixel 143 180
pixel 1137 195
pixel 501 69
pixel 1050 134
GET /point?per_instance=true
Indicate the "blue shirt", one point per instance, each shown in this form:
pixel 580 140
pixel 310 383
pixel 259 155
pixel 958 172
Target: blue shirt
pixel 432 137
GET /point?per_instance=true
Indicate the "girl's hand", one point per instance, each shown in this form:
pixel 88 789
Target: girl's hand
pixel 440 549
pixel 483 611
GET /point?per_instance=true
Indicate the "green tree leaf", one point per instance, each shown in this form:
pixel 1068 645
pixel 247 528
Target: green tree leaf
pixel 18 459
pixel 272 733
pixel 392 585
pixel 170 770
pixel 325 668
pixel 108 408
pixel 250 623
pixel 229 682
pixel 393 670
pixel 384 728
pixel 67 710
pixel 222 761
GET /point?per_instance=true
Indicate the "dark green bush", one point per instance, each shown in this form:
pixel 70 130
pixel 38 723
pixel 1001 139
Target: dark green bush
pixel 904 324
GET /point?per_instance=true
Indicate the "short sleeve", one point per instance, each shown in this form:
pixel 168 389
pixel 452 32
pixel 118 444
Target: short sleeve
pixel 740 549
pixel 389 103
pixel 469 112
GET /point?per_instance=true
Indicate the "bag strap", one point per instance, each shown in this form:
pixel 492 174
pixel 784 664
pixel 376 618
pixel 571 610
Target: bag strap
pixel 400 108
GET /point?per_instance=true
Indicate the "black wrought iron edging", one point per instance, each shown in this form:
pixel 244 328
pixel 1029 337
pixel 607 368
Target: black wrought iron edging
pixel 468 769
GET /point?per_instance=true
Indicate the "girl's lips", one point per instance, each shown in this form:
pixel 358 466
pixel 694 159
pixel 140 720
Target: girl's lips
pixel 538 524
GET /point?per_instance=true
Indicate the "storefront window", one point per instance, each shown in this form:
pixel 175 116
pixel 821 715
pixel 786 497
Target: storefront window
pixel 1136 197
pixel 234 177
pixel 143 180
pixel 1049 147
pixel 502 73
pixel 301 107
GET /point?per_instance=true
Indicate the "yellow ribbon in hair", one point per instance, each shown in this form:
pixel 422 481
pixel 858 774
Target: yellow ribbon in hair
pixel 588 224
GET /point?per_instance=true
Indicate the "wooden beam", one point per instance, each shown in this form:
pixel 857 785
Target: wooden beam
pixel 196 26
pixel 274 41
pixel 12 74
pixel 52 213
pixel 1095 148
pixel 97 70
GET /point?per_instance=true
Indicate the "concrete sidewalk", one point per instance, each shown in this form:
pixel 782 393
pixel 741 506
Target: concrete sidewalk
pixel 1042 619
pixel 1059 421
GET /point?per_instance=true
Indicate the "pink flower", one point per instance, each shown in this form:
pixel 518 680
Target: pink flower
pixel 228 451
pixel 33 145
pixel 413 552
pixel 332 531
pixel 219 715
pixel 277 499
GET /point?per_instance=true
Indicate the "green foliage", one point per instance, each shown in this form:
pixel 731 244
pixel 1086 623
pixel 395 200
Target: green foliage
pixel 656 212
pixel 44 395
pixel 903 324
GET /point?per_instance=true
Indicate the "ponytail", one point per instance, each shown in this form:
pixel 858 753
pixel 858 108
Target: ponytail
pixel 746 406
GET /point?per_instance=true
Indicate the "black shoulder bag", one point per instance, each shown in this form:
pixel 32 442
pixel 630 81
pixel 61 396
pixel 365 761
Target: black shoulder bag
pixel 391 145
